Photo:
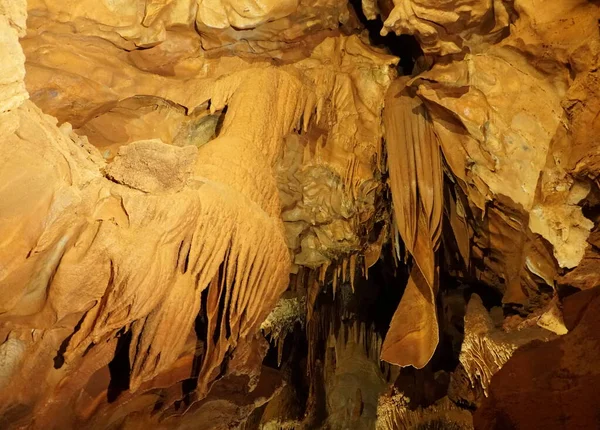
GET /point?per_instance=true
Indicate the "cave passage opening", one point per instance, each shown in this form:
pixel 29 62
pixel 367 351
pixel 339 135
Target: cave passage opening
pixel 404 46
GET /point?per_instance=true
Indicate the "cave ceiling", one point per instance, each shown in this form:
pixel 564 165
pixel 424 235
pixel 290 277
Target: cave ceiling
pixel 296 214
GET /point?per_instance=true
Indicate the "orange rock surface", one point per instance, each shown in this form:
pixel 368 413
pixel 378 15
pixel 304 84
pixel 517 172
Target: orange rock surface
pixel 180 178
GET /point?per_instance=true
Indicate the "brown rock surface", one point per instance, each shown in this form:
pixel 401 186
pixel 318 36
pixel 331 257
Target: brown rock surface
pixel 549 385
pixel 181 178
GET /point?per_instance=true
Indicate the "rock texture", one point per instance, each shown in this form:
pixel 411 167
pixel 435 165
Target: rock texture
pixel 166 259
pixel 500 120
pixel 550 384
pixel 236 213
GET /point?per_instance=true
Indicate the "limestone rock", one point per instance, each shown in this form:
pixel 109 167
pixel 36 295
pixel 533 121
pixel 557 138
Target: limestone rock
pixel 545 384
pixel 190 176
pixel 485 348
pixel 152 166
pixel 12 70
pixel 444 27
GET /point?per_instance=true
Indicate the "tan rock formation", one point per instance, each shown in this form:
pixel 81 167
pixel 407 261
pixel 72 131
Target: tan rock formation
pixel 181 178
pixel 559 375
pixel 139 247
pixel 12 26
pixel 447 27
pixel 487 348
pixel 416 184
pixel 393 413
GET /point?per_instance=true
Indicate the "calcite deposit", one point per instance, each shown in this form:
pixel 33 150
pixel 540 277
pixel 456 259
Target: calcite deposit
pixel 295 214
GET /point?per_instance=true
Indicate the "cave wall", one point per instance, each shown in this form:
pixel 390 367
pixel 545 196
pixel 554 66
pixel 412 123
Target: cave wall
pixel 180 178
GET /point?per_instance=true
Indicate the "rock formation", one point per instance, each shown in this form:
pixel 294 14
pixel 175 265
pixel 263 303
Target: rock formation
pixel 299 214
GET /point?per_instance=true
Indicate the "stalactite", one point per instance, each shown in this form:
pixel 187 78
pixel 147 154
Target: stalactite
pixel 486 348
pixel 195 213
pixel 416 182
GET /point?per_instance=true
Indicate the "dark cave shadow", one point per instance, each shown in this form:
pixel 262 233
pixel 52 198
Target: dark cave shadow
pixel 119 368
pixel 404 46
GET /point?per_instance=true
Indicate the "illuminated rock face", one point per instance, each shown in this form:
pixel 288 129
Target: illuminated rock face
pixel 180 178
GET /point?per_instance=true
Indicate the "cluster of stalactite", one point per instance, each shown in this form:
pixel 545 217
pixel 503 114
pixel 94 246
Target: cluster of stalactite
pixel 221 213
